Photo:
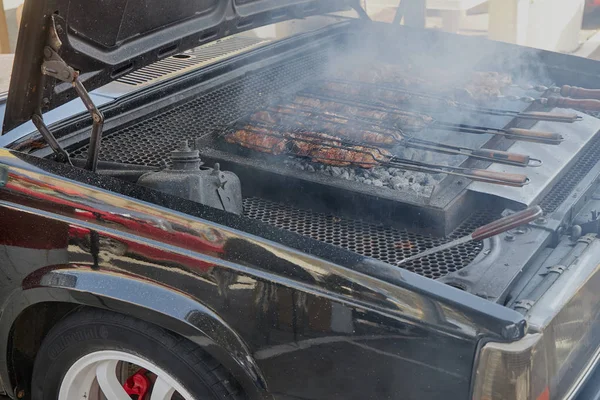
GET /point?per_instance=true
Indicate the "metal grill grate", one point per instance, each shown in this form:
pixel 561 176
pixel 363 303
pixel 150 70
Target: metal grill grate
pixel 180 63
pixel 383 243
pixel 150 141
pixel 567 183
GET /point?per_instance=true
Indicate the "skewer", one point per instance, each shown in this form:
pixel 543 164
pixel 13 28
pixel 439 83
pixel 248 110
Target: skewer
pixel 491 155
pixel 551 101
pixel 539 116
pixel 383 159
pixel 537 88
pixel 573 92
pixel 511 133
pixel 484 232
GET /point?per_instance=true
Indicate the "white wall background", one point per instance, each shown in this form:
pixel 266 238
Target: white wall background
pixel 9 4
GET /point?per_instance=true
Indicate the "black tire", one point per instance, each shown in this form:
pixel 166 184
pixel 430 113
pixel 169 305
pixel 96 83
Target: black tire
pixel 88 330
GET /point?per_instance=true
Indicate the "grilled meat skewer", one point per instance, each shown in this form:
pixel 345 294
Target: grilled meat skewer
pixel 411 121
pixel 482 85
pixel 329 150
pixel 421 100
pixel 258 139
pixel 298 116
pixel 319 147
pixel 476 88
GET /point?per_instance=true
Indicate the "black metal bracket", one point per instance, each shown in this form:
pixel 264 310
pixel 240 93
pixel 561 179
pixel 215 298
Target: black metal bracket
pixel 55 67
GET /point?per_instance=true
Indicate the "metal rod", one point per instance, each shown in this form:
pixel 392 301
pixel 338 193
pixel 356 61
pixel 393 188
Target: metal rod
pixel 97 125
pixel 61 154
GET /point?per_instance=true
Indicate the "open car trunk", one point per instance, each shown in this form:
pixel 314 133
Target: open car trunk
pixel 388 212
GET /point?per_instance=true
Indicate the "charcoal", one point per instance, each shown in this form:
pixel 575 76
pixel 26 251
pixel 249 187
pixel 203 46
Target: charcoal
pixel 386 177
pixel 336 171
pixel 397 181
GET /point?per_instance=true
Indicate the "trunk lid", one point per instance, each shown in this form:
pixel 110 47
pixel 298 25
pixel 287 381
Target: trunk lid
pixel 107 39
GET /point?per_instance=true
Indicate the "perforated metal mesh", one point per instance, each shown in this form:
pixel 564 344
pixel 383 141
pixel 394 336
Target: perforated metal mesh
pixel 565 186
pixel 381 242
pixel 150 141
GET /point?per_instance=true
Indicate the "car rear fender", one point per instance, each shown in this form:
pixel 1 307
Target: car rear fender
pixel 149 301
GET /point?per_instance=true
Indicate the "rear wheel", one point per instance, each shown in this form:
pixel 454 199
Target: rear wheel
pixel 97 355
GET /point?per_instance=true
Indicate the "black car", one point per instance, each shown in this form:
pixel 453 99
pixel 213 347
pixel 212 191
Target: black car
pixel 243 199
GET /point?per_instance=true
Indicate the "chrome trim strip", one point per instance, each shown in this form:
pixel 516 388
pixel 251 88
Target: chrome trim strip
pixel 584 377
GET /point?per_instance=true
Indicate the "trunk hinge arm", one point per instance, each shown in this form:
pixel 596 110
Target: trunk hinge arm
pixel 360 10
pixel 55 67
pixel 413 10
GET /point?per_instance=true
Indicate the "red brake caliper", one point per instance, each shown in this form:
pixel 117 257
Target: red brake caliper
pixel 138 384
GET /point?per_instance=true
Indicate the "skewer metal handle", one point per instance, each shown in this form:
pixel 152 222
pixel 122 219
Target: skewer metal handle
pixel 534 136
pixel 579 92
pixel 507 223
pixel 506 157
pixel 565 102
pixel 500 177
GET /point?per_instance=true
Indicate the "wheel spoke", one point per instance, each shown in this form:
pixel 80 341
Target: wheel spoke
pixel 106 375
pixel 162 390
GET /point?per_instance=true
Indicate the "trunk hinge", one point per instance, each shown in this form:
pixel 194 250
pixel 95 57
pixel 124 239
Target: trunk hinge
pixel 55 67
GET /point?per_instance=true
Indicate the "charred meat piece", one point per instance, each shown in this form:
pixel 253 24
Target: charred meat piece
pixel 479 86
pixel 384 73
pixel 296 117
pixel 332 152
pixel 358 156
pixel 259 139
pixel 374 94
pixel 317 146
pixel 401 119
pixel 492 78
pixel 487 85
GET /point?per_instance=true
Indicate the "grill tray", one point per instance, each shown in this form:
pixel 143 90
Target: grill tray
pixel 265 176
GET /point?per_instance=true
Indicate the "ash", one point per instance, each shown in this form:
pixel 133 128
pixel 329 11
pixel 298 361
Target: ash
pixel 391 178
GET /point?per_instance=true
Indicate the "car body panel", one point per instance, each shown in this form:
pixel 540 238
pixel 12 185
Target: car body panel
pixel 293 316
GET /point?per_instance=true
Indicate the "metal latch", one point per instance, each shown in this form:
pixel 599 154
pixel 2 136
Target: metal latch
pixel 524 304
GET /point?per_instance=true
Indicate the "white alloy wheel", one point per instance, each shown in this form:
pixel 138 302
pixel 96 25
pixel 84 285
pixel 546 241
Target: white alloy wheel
pixel 100 375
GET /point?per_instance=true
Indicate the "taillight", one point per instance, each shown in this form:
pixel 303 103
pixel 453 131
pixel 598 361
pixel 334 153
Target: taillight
pixel 561 348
